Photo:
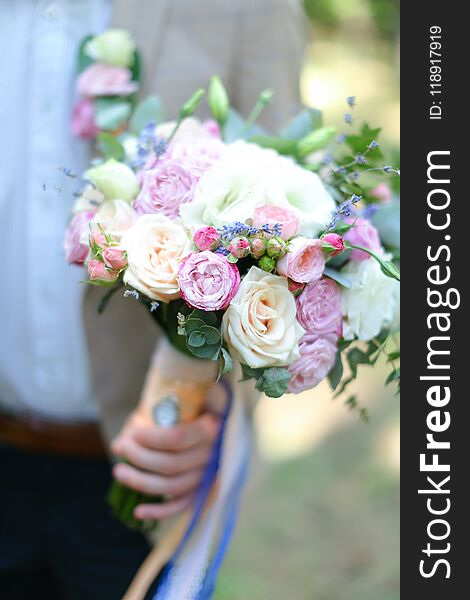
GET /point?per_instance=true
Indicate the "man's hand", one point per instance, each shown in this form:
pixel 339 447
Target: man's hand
pixel 164 461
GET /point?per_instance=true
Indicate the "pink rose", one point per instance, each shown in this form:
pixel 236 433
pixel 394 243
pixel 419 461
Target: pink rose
pixel 83 120
pixel 334 244
pixel 319 308
pixel 363 233
pixel 75 251
pixel 212 128
pixel 207 280
pixel 295 288
pixel 99 272
pixel 317 357
pixel 104 80
pixel 97 238
pixel 270 215
pixel 304 261
pixel 206 238
pixel 115 258
pixel 382 192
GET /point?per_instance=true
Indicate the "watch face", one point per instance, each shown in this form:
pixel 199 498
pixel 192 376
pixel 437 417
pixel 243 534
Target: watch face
pixel 166 412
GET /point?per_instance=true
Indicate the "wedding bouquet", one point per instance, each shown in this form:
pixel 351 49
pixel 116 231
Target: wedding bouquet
pixel 274 254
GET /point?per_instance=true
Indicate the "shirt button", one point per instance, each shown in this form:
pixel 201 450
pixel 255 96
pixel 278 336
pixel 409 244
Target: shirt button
pixel 52 12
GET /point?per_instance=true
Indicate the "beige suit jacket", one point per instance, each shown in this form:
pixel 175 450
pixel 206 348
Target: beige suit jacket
pixel 251 45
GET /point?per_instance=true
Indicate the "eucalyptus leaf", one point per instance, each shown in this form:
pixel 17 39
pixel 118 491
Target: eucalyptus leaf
pixel 111 113
pixel 273 381
pixel 302 124
pixel 212 335
pixel 336 373
pixel 84 60
pixel 148 111
pixel 336 276
pixel 387 221
pixel 235 128
pixel 196 339
pixel 357 357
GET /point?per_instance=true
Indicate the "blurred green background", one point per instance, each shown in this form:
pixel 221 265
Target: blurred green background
pixel 320 519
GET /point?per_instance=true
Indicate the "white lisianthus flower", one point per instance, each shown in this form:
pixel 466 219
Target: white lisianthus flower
pixel 260 325
pixel 90 199
pixel 115 179
pixel 370 303
pixel 155 247
pixel 113 47
pixel 113 217
pixel 231 190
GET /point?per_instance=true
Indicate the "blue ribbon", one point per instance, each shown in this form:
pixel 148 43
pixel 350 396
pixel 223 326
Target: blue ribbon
pixel 202 494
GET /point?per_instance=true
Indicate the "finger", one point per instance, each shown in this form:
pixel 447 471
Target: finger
pixel 164 463
pixel 155 485
pixel 162 511
pixel 179 437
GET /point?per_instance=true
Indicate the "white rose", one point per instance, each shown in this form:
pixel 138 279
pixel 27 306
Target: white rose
pixel 233 188
pixel 113 217
pixel 155 247
pixel 90 199
pixel 260 325
pixel 370 303
pixel 115 180
pixel 113 47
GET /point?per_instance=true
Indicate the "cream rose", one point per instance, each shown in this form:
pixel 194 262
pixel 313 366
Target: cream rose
pixel 155 248
pixel 370 303
pixel 260 324
pixel 113 217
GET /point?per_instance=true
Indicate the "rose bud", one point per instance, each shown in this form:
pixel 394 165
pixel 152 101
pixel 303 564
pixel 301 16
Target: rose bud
pixel 239 247
pixel 295 288
pixel 266 263
pixel 98 239
pixel 206 238
pixel 98 272
pixel 332 244
pixel 115 258
pixel 276 248
pixel 258 247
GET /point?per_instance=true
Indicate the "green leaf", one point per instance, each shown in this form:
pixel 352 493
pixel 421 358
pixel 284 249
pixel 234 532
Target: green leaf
pixel 111 113
pixel 387 221
pixel 316 140
pixel 336 373
pixel 302 124
pixel 193 324
pixel 249 372
pixel 225 362
pixel 84 60
pixel 196 339
pixel 281 145
pixel 273 381
pixel 390 269
pixel 358 143
pixel 109 146
pixel 235 128
pixel 332 274
pixel 211 334
pixel 394 376
pixel 107 297
pixel 217 100
pixel 208 351
pixel 394 355
pixel 136 68
pixel 357 357
pixel 147 111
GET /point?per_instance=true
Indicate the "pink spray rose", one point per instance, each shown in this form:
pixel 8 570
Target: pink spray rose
pixel 239 247
pixel 104 80
pixel 304 261
pixel 115 258
pixel 75 251
pixel 317 357
pixel 206 238
pixel 335 244
pixel 207 280
pixel 319 308
pixel 83 120
pixel 382 192
pixel 270 215
pixel 363 233
pixel 99 272
pixel 97 238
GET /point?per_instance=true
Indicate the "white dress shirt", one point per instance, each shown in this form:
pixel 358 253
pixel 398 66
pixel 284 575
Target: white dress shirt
pixel 43 358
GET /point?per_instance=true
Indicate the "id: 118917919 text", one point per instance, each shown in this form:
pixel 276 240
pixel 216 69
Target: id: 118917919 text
pixel 435 71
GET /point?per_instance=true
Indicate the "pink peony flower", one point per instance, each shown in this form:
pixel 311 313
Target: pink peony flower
pixel 115 258
pixel 363 233
pixel 75 251
pixel 207 280
pixel 99 272
pixel 83 120
pixel 382 192
pixel 335 244
pixel 304 261
pixel 104 80
pixel 319 308
pixel 239 247
pixel 206 238
pixel 317 357
pixel 270 215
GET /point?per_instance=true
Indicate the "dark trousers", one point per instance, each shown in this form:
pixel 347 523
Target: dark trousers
pixel 58 540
